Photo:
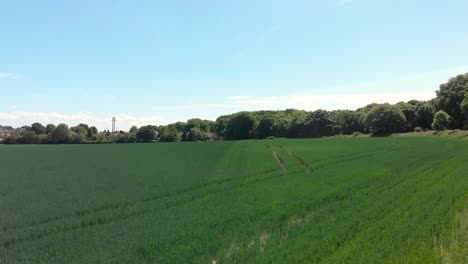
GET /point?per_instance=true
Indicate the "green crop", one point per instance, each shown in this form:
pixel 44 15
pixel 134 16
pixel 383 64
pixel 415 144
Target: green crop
pixel 336 200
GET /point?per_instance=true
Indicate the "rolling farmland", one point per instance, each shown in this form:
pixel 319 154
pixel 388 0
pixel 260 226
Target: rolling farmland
pixel 331 200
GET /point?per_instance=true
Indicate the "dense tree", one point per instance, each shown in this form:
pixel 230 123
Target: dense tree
pixel 80 129
pixel 425 114
pixel 202 126
pixel 263 128
pixel 85 126
pixel 29 137
pixel 337 130
pixel 441 120
pixel 385 119
pixel 90 133
pixel 38 128
pixel 318 124
pixel 181 126
pixel 133 129
pixel 409 110
pixel 450 96
pixel 170 133
pixel 220 126
pixel 195 134
pixel 296 123
pixel 280 125
pixel 464 109
pixel 126 138
pixel 146 134
pixel 378 119
pixel 194 122
pixel 61 134
pixel 76 138
pixel 349 121
pixel 50 128
pixel 25 128
pixel 240 126
pixel 207 126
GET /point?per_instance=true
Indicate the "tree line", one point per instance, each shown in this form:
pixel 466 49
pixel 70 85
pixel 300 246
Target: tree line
pixel 448 110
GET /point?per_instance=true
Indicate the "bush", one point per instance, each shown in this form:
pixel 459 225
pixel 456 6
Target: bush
pixel 385 119
pixel 13 139
pixel 29 137
pixel 103 138
pixel 441 121
pixel 126 138
pixel 145 134
pixel 61 134
pixel 337 130
pixel 76 138
pixel 169 134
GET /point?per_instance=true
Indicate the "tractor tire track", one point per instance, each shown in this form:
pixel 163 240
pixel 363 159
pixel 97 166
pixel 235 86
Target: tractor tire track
pixel 280 162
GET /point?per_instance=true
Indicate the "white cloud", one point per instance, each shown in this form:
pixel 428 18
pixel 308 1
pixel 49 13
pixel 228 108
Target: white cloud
pixel 313 102
pixel 124 121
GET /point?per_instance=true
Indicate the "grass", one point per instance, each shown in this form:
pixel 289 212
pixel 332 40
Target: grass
pixel 462 134
pixel 341 200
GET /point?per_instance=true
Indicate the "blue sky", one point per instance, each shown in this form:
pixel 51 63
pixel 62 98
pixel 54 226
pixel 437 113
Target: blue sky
pixel 162 61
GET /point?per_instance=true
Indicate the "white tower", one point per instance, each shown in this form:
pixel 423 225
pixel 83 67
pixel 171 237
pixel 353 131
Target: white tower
pixel 113 128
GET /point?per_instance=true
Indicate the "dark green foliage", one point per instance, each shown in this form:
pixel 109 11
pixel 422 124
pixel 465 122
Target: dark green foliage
pixel 193 123
pixel 263 128
pixel 464 109
pixel 337 130
pixel 126 138
pixel 441 121
pixel 90 134
pixel 133 129
pixel 146 134
pixel 103 138
pixel 409 110
pixel 425 115
pixel 38 128
pixel 280 126
pixel 450 96
pixel 81 130
pixel 61 134
pixel 50 128
pixel 195 134
pixel 76 138
pixel 318 124
pixel 349 121
pixel 30 137
pixel 169 134
pixel 385 119
pixel 85 126
pixel 181 126
pixel 94 130
pixel 195 129
pixel 220 127
pixel 240 126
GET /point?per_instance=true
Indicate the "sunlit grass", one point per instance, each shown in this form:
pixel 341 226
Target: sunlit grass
pixel 341 200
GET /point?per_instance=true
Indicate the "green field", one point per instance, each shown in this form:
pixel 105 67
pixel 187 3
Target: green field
pixel 341 200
